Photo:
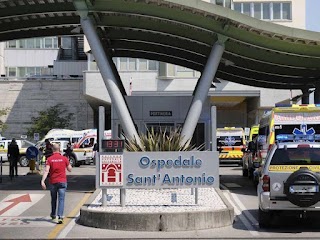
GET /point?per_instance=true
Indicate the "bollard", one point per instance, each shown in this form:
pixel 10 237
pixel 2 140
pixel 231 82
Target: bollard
pixel 32 165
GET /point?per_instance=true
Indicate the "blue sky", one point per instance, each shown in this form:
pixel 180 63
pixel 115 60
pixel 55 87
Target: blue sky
pixel 312 15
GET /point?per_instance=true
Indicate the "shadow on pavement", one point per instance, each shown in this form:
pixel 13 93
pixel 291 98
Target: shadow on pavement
pixel 83 183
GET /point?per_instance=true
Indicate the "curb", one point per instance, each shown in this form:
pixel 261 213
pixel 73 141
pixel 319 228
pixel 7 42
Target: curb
pixel 168 222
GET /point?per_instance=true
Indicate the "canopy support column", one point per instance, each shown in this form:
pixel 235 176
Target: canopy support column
pixel 305 96
pixel 201 91
pixel 109 78
pixel 316 94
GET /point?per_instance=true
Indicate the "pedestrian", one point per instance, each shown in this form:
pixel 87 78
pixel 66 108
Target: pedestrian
pixel 13 156
pixel 48 149
pixel 56 166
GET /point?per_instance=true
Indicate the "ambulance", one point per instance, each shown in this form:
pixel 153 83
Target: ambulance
pixel 69 135
pixel 293 119
pixel 83 152
pixel 250 153
pixel 230 142
pixel 299 120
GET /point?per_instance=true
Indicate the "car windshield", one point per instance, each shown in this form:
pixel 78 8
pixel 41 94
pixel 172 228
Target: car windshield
pixel 26 144
pixel 296 156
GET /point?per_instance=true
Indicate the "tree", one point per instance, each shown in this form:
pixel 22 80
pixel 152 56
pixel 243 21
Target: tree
pixel 54 117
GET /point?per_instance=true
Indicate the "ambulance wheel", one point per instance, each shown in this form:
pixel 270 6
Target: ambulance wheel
pixel 24 162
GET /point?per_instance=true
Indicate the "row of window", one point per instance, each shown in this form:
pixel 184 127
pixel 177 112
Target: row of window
pixel 273 11
pixel 40 43
pixel 27 71
pixel 133 64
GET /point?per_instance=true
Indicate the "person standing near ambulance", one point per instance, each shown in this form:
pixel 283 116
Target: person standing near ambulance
pixel 56 167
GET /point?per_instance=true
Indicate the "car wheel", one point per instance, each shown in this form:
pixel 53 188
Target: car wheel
pixel 264 219
pixel 72 161
pixel 245 172
pixel 24 162
pixel 302 179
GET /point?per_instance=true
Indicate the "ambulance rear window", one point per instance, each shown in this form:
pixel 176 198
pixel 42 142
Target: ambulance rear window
pixel 296 156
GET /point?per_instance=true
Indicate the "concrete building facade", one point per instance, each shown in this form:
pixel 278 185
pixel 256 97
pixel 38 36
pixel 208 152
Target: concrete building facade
pixel 27 59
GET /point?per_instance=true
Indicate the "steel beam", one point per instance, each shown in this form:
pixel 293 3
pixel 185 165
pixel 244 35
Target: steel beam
pixel 109 78
pixel 201 91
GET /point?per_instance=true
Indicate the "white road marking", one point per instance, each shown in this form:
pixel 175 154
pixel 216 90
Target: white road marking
pixel 63 234
pixel 21 207
pixel 26 221
pixel 232 185
pixel 237 211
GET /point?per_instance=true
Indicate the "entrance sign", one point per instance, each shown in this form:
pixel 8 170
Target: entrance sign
pixel 191 169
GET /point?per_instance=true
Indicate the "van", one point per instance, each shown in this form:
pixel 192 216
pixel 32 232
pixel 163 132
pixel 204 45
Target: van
pixel 230 142
pixel 299 120
pixel 69 135
pixel 83 150
pixel 287 119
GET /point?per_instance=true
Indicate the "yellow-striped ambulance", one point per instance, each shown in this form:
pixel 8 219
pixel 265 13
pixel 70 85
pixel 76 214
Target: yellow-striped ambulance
pixel 289 119
pixel 230 142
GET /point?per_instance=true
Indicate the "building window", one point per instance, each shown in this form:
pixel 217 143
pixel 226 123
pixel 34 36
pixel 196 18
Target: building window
pixel 12 72
pixel 134 64
pixel 153 65
pixel 273 11
pixel 37 43
pixel 143 65
pixel 224 3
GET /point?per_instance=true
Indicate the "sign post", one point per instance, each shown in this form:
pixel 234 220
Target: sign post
pixel 111 165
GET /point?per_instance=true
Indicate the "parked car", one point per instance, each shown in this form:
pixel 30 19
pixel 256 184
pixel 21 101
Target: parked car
pixel 23 145
pixel 290 180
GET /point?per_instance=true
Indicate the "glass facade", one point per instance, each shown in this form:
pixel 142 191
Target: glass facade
pixel 272 11
pixel 27 71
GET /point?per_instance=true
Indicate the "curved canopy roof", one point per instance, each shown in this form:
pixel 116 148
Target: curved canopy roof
pixel 257 53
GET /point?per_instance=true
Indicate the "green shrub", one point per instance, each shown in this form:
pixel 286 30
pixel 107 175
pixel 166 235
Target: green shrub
pixel 160 141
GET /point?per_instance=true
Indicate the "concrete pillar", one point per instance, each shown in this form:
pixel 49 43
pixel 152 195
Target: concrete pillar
pixel 305 96
pixel 74 48
pixel 201 92
pixel 110 80
pixel 316 95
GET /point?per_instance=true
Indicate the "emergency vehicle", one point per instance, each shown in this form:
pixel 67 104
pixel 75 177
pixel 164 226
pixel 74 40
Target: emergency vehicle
pixel 250 153
pixel 83 150
pixel 69 135
pixel 299 120
pixel 230 142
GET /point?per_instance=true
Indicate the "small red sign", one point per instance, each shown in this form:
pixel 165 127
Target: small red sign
pixel 111 172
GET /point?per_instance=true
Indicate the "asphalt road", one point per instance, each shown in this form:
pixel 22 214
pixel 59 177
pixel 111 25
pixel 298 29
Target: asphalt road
pixel 25 209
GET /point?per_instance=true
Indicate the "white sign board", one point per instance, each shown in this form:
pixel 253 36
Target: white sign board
pixel 36 136
pixel 159 169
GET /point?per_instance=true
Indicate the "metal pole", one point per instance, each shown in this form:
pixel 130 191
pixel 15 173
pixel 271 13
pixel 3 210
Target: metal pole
pixel 213 128
pixel 201 92
pixel 123 197
pixel 101 128
pixel 0 169
pixel 196 195
pixel 109 78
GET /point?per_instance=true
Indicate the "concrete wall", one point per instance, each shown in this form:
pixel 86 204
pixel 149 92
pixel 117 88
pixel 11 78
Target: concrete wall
pixel 25 98
pixel 29 57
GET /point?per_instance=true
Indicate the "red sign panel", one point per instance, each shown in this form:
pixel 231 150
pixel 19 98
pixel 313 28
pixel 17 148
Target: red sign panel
pixel 111 170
